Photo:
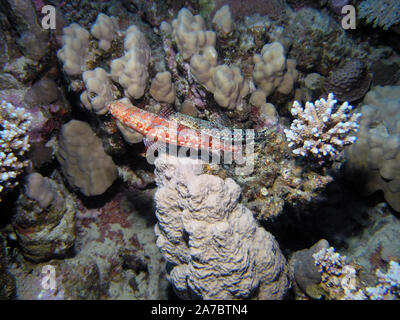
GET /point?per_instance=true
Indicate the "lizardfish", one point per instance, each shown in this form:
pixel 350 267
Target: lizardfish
pixel 180 129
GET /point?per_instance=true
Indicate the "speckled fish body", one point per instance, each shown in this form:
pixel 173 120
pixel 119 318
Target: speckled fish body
pixel 222 132
pixel 177 129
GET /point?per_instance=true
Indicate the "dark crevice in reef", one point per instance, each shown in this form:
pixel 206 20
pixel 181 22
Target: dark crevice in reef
pixel 341 213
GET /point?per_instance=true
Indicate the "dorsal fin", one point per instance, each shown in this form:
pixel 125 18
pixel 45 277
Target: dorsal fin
pixel 166 111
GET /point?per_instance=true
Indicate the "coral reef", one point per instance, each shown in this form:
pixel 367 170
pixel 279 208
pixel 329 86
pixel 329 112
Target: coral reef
pixel 81 198
pixel 83 160
pixel 376 152
pixel 319 131
pixel 277 180
pixel 205 210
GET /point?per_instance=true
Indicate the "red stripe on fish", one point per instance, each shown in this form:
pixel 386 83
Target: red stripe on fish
pixel 168 131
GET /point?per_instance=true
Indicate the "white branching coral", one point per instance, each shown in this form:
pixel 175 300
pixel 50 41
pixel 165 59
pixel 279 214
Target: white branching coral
pixel 388 287
pixel 14 142
pixel 338 278
pixel 330 261
pixel 319 131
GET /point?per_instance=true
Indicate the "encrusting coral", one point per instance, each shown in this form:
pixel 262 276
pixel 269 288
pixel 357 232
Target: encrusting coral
pixel 215 246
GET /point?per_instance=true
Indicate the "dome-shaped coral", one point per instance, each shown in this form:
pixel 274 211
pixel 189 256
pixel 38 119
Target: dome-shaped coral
pixel 350 82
